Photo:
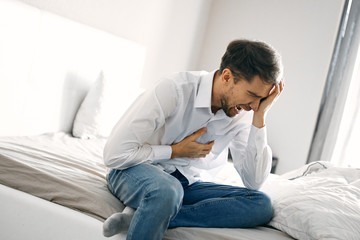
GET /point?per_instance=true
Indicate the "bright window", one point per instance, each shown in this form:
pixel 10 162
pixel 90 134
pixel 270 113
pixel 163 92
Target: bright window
pixel 347 151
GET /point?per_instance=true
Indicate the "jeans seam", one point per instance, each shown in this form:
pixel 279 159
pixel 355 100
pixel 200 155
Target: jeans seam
pixel 223 187
pixel 147 191
pixel 133 223
pixel 213 202
pixel 109 185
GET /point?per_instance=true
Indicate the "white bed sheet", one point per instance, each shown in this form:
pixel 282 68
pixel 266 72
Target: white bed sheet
pixel 59 168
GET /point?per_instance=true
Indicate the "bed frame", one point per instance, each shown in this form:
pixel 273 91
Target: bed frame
pixel 24 216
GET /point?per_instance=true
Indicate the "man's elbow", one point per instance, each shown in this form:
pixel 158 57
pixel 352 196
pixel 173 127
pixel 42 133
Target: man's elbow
pixel 121 162
pixel 253 182
pixel 110 162
pixel 252 185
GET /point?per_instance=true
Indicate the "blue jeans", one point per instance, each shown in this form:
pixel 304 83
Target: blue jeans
pixel 167 200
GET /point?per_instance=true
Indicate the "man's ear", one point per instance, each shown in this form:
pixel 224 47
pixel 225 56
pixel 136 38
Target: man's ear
pixel 226 75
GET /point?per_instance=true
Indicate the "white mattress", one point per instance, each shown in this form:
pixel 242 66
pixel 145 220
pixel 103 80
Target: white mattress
pixel 25 216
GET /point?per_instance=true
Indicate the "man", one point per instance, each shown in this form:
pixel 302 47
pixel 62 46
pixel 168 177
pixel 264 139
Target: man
pixel 165 150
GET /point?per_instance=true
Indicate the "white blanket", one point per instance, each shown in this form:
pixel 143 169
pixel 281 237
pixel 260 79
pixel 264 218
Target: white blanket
pixel 321 202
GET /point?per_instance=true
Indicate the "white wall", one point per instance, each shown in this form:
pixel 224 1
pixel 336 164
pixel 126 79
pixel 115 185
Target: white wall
pixel 48 63
pixel 193 34
pixel 171 30
pixel 304 32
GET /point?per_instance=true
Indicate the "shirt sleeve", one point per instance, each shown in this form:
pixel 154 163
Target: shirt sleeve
pixel 128 144
pixel 252 156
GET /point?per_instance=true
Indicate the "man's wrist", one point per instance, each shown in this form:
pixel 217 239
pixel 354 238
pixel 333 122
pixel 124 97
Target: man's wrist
pixel 173 151
pixel 258 120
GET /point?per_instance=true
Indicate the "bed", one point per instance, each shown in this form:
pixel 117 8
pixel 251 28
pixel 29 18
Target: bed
pixel 69 172
pixel 52 177
pixel 53 187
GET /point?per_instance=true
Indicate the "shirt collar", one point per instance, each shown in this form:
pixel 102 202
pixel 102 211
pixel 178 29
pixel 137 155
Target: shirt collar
pixel 203 97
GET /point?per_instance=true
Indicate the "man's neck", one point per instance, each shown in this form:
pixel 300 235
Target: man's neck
pixel 215 96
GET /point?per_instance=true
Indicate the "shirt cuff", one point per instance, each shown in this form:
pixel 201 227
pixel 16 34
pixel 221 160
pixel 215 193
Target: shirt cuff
pixel 258 138
pixel 161 153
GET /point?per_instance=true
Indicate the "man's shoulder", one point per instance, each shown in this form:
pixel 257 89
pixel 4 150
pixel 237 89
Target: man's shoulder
pixel 180 82
pixel 186 77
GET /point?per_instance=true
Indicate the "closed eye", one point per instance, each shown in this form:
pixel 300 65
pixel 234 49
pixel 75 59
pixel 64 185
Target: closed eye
pixel 252 94
pixel 263 99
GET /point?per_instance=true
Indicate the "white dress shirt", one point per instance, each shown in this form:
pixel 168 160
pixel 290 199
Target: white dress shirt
pixel 176 107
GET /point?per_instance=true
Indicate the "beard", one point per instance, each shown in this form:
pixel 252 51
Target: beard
pixel 225 106
pixel 231 111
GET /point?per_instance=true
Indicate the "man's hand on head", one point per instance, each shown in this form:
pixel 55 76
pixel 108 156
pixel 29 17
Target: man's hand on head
pixel 265 105
pixel 189 148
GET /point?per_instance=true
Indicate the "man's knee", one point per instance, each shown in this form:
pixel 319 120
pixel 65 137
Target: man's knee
pixel 168 193
pixel 265 208
pixel 172 192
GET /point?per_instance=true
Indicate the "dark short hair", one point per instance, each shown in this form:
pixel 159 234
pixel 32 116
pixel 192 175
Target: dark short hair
pixel 246 59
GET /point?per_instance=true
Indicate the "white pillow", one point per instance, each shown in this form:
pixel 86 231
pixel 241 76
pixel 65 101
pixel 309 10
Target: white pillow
pixel 318 206
pixel 102 107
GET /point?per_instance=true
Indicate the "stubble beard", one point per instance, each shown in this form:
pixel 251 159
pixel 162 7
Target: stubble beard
pixel 225 106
